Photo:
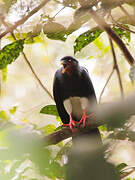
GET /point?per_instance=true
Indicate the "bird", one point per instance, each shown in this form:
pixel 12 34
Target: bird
pixel 73 93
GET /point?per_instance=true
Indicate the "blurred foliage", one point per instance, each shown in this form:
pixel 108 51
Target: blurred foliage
pixel 13 110
pixel 6 5
pixel 89 163
pixel 22 151
pixel 3 116
pixel 48 129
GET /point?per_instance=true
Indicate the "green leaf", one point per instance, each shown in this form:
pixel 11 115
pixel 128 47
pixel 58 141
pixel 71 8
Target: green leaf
pixel 50 109
pixel 56 31
pixel 10 52
pixel 122 33
pixel 86 38
pixel 58 35
pixel 59 119
pixel 58 128
pixel 103 128
pixel 121 166
pixel 91 35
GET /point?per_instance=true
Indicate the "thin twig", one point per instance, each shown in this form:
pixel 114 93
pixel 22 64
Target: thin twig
pixel 21 21
pixel 30 66
pixel 58 12
pixel 108 79
pixel 36 77
pixel 128 15
pixel 116 67
pixel 127 174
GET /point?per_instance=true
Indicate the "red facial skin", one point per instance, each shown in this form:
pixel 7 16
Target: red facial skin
pixel 67 67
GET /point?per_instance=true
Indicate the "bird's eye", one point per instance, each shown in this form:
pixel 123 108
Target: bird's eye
pixel 69 60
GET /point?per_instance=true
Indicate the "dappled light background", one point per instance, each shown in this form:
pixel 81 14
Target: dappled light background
pixel 19 89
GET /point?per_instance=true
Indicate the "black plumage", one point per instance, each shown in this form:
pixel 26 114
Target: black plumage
pixel 73 89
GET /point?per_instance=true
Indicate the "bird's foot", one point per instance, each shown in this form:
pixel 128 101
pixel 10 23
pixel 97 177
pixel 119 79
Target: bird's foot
pixel 84 117
pixel 71 124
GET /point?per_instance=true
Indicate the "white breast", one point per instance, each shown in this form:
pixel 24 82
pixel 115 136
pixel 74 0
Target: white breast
pixel 75 105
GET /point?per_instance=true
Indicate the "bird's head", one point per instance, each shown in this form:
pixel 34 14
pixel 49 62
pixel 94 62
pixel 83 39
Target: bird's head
pixel 69 64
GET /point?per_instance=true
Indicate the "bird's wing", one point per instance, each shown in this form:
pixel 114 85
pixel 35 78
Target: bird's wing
pixel 87 84
pixel 59 101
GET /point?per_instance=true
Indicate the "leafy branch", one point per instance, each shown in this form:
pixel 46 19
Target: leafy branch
pixel 21 21
pixel 29 64
pixel 104 26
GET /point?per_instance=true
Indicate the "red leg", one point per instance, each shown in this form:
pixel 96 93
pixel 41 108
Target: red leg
pixel 71 124
pixel 84 117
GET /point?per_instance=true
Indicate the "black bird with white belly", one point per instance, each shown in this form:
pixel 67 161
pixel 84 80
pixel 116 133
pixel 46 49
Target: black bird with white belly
pixel 73 93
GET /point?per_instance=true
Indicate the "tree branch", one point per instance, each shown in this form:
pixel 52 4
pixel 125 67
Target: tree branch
pixel 21 21
pixel 113 113
pixel 104 26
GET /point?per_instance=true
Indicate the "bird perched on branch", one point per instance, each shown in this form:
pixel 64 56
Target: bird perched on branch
pixel 73 93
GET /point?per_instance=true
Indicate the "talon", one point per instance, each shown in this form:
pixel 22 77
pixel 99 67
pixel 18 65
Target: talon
pixel 71 124
pixel 84 117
